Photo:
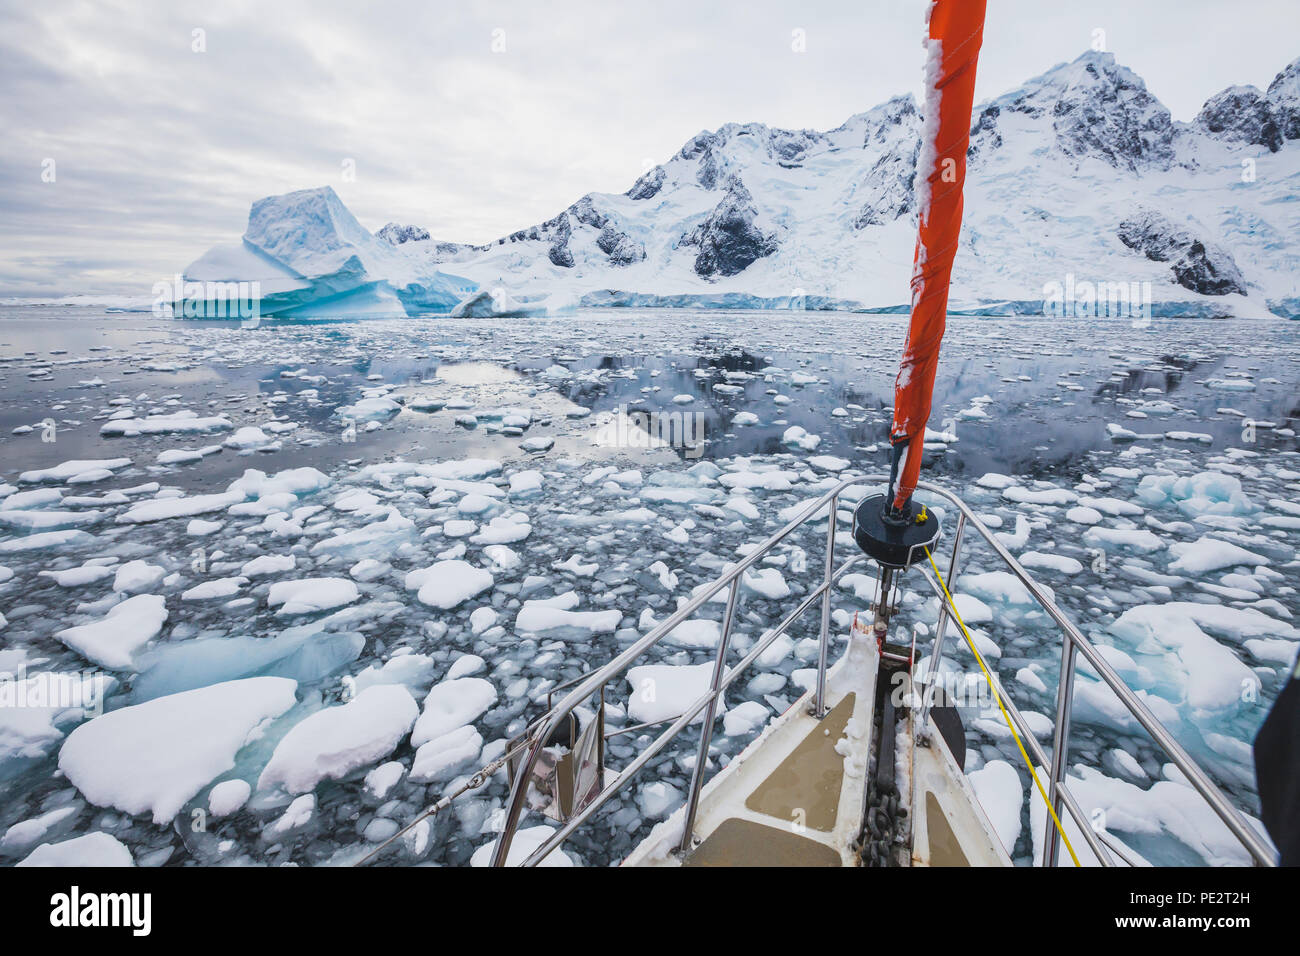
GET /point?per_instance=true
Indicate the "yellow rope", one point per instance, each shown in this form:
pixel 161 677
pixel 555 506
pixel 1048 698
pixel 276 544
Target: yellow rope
pixel 952 605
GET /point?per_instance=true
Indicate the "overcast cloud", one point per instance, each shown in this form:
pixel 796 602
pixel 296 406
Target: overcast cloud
pixel 159 150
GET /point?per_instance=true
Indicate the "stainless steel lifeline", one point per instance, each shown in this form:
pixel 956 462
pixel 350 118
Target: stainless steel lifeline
pixel 1074 643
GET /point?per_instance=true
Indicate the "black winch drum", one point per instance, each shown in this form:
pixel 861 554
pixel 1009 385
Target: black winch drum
pixel 893 544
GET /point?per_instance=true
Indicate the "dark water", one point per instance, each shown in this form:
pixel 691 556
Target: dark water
pixel 1054 385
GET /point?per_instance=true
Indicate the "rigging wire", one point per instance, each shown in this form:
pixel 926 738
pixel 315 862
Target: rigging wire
pixel 952 607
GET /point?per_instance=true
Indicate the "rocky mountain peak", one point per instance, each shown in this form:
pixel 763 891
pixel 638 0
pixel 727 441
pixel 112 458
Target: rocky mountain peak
pixel 1241 114
pixel 397 234
pixel 1097 109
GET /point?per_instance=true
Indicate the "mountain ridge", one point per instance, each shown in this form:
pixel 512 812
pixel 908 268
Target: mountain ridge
pixel 1061 170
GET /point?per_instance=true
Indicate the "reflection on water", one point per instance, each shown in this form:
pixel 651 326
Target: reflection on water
pixel 476 373
pixel 1052 386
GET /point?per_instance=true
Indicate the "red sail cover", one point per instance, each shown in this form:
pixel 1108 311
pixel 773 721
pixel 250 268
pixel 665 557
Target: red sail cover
pixel 956 32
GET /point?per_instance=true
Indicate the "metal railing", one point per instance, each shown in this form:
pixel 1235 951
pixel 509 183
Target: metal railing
pixel 1101 843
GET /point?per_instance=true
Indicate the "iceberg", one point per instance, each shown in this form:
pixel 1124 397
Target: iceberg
pixel 305 256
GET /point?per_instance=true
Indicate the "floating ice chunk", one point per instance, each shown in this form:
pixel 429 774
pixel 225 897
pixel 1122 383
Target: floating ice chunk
pixel 1002 795
pixel 1165 810
pixel 1136 539
pixel 664 691
pixel 1212 677
pixel 446 584
pixel 156 756
pixel 996 481
pixel 78 577
pixel 380 781
pixel 1030 679
pixel 795 435
pixel 764 480
pixel 829 462
pixel 657 799
pixel 45 540
pixel 465 665
pixel 35 711
pixel 744 718
pixel 1000 587
pixel 295 481
pixel 70 469
pixel 217 588
pixel 1111 506
pixel 136 577
pixel 412 671
pixel 1052 562
pixel 248 437
pixel 1209 492
pixel 697 632
pixel 538 618
pixel 305 654
pixel 186 506
pixel 767 582
pixel 743 507
pixel 452 704
pixel 442 757
pixel 268 564
pixel 91 850
pixel 525 842
pixel 504 529
pixel 228 797
pixel 1125 762
pixel 309 595
pixel 502 558
pixel 25 834
pixel 1040 496
pixel 378 537
pixel 37 498
pixel 1272 650
pixel 1210 554
pixel 113 640
pixel 29 521
pixel 177 423
pixel 1230 384
pixel 333 743
pixel 295 817
pixel 1015 539
pixel 481 619
pixel 972 609
pixel 374 409
pixel 474 504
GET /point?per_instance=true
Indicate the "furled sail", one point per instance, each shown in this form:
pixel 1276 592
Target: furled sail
pixel 956 30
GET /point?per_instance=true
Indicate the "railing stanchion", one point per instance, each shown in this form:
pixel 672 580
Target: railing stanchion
pixel 819 702
pixel 941 627
pixel 710 714
pixel 1060 747
pixel 1075 643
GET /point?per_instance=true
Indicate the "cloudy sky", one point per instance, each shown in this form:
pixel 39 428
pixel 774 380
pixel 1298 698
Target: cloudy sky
pixel 474 119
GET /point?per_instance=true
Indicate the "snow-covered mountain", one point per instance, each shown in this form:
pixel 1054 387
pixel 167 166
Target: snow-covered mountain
pixel 1079 176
